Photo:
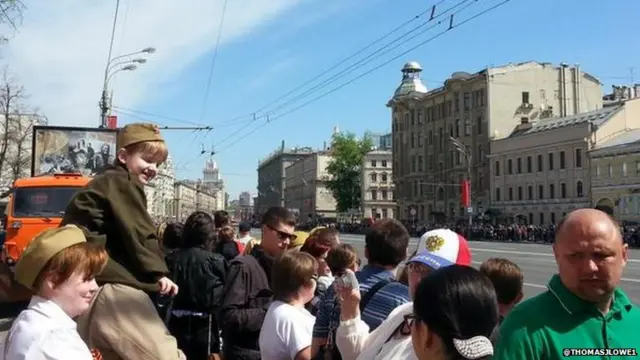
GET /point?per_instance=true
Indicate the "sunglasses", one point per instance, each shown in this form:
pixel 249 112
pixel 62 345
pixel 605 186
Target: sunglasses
pixel 283 235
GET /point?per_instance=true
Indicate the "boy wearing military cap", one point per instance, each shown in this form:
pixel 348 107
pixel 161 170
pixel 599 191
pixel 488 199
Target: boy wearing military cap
pixel 112 210
pixel 59 266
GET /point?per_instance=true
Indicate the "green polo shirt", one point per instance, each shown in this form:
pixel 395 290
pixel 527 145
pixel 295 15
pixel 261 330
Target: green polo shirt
pixel 543 326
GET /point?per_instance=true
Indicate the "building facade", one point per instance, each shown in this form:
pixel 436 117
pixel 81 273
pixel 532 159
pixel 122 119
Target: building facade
pixel 186 200
pixel 244 199
pixel 271 175
pixel 615 176
pixel 470 110
pixel 543 171
pixel 306 192
pixel 378 189
pixel 213 184
pixel 205 201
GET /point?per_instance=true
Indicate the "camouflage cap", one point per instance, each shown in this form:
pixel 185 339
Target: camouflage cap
pixel 42 249
pixel 136 133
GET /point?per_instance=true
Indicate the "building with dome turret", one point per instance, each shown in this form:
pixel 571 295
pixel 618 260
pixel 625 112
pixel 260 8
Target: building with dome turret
pixel 433 129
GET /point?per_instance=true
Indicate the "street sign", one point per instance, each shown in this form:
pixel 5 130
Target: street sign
pixel 470 209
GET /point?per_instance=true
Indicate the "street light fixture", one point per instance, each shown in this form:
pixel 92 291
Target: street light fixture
pixel 108 75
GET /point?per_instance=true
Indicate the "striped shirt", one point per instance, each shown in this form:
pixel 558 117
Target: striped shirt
pixel 379 307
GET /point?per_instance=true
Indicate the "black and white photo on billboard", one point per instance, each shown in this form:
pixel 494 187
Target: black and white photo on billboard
pixel 59 149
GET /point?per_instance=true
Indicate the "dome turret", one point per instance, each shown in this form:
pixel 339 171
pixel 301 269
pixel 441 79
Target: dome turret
pixel 411 82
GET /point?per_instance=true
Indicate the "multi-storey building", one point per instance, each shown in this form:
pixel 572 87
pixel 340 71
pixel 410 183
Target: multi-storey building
pixel 306 192
pixel 186 197
pixel 542 170
pixel 471 109
pixel 271 175
pixel 615 176
pixel 377 185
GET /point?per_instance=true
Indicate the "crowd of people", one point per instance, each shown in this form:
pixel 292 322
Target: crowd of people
pixel 108 284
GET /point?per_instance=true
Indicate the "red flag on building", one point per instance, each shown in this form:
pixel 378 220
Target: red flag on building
pixel 465 193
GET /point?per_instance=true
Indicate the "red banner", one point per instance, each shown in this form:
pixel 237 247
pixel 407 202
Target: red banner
pixel 112 122
pixel 465 193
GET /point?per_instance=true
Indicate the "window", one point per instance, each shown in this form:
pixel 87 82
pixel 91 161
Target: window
pixel 457 128
pixel 373 163
pixel 550 161
pixel 579 190
pixel 563 190
pixel 479 125
pixel 540 164
pixel 510 193
pixel 419 117
pixel 610 170
pixel 509 167
pixel 451 130
pixel 624 169
pixel 552 191
pixel 497 171
pixel 519 166
pixel 578 158
pixel 467 127
pixel 413 140
pixel 541 218
pixel 374 177
pixel 553 218
pixel 50 201
pixel 529 164
pixel 420 163
pixel 497 194
pixel 540 192
pixel 413 163
pixel 456 101
pixel 466 101
pixel 525 97
pixel 519 192
pixel 530 192
pixel 420 139
pixel 374 195
pixel 384 177
pixel 384 194
pixel 384 163
pixel 562 164
pixel 385 213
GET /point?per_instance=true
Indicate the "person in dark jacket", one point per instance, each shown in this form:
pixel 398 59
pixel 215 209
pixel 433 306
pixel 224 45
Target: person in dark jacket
pixel 247 290
pixel 226 243
pixel 200 274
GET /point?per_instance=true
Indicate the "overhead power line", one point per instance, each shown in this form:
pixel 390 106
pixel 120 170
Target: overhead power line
pixel 213 61
pixel 449 28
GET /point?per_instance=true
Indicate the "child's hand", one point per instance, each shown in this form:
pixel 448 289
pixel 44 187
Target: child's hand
pixel 167 287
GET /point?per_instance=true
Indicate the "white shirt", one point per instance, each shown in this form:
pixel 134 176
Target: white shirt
pixel 355 342
pixel 44 332
pixel 286 331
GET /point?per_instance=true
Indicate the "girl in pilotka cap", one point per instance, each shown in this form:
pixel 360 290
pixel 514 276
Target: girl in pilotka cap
pixel 59 266
pixel 112 209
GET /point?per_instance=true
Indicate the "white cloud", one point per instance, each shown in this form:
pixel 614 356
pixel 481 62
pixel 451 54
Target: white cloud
pixel 60 51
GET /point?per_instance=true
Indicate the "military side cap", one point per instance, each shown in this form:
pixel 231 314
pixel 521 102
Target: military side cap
pixel 42 249
pixel 138 132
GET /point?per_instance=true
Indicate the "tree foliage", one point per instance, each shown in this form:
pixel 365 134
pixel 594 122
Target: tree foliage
pixel 11 15
pixel 345 169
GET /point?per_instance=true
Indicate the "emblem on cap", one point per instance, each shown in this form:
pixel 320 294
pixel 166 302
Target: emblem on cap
pixel 434 243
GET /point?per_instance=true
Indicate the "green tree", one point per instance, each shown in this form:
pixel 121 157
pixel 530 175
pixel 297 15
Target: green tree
pixel 345 169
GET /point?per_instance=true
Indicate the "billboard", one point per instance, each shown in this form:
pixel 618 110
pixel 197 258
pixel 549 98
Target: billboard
pixel 59 149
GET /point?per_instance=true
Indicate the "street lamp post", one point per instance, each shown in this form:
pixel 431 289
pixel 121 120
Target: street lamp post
pixel 466 152
pixel 127 64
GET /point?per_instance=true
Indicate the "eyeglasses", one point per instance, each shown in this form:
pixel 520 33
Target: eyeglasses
pixel 282 235
pixel 409 320
pixel 314 277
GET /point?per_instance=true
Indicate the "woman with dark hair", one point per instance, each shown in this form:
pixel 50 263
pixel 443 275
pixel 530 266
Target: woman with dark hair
pixel 227 245
pixel 318 245
pixel 455 313
pixel 200 274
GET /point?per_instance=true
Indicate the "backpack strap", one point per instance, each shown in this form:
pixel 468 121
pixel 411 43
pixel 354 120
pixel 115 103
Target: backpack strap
pixel 374 289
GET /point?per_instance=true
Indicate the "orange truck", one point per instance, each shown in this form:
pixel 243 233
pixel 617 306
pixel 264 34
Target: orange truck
pixel 36 204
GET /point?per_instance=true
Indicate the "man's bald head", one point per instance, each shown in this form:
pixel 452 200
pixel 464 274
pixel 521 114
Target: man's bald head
pixel 587 220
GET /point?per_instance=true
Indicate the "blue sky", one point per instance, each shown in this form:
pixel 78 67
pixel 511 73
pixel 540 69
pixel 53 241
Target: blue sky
pixel 278 51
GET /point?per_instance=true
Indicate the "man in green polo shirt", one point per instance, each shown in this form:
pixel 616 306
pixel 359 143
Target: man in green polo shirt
pixel 583 310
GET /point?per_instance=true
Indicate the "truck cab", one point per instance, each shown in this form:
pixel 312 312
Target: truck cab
pixel 36 204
